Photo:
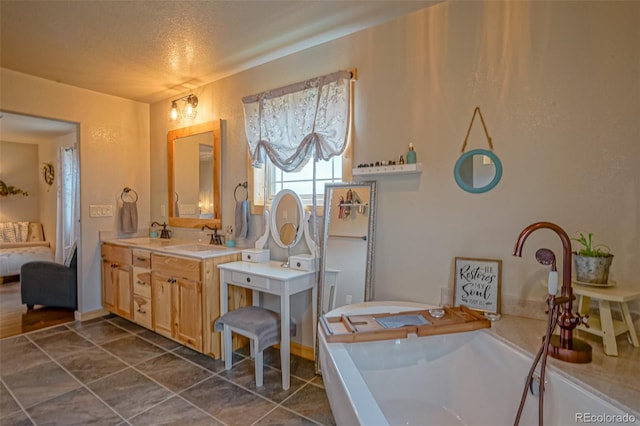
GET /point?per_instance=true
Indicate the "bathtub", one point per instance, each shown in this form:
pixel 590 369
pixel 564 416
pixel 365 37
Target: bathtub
pixel 471 378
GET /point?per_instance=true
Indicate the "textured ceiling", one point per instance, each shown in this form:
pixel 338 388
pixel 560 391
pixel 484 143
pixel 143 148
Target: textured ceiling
pixel 152 50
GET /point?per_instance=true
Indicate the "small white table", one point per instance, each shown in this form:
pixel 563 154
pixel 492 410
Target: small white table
pixel 605 326
pixel 271 278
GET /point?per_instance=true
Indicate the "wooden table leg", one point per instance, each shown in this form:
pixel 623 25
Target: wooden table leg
pixel 608 333
pixel 629 321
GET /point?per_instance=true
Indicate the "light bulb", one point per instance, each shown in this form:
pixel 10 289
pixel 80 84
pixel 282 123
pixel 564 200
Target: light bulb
pixel 174 111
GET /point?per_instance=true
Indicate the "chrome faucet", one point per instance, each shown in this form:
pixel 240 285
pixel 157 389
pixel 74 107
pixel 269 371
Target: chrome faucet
pixel 165 233
pixel 564 347
pixel 215 238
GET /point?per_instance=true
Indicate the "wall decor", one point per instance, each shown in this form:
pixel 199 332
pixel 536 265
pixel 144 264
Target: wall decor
pixel 48 173
pixel 478 170
pixel 10 190
pixel 477 284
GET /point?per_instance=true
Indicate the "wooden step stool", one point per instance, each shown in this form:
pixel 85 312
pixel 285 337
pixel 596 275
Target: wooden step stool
pixel 605 326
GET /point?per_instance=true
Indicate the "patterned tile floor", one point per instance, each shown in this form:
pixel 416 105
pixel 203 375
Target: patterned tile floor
pixel 110 371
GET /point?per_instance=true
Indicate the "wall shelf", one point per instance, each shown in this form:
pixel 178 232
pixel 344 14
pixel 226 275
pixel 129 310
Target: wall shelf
pixel 396 169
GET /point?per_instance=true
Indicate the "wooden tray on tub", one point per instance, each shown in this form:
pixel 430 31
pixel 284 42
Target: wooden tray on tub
pixel 365 328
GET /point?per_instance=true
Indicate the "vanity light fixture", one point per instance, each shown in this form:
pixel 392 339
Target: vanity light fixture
pixel 189 109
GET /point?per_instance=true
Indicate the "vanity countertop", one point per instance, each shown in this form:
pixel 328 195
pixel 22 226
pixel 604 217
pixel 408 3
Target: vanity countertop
pixel 176 247
pixel 614 378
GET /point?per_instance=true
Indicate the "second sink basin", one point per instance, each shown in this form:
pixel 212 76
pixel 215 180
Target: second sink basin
pixel 195 247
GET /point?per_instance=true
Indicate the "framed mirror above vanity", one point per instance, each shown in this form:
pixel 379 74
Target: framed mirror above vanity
pixel 195 175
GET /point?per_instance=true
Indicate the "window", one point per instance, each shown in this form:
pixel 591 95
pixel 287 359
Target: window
pixel 287 128
pixel 336 170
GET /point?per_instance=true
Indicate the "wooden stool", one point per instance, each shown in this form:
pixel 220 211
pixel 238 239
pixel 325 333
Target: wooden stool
pixel 260 325
pixel 605 326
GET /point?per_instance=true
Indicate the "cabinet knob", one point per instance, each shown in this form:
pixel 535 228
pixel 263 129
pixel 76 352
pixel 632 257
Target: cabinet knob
pixel 248 279
pixel 249 257
pixel 298 264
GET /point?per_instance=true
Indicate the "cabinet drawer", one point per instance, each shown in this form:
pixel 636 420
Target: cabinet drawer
pixel 252 280
pixel 117 253
pixel 142 310
pixel 141 281
pixel 141 258
pixel 176 266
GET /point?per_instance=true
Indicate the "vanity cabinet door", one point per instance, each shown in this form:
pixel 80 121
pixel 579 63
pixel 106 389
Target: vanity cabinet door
pixel 109 286
pixel 117 280
pixel 161 297
pixel 187 304
pixel 177 309
pixel 124 307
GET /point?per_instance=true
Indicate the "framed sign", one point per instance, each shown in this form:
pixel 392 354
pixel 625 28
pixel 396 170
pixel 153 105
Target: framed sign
pixel 477 284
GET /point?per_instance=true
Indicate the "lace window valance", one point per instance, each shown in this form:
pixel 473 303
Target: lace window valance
pixel 294 123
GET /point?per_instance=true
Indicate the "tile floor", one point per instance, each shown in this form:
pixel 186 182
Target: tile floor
pixel 110 371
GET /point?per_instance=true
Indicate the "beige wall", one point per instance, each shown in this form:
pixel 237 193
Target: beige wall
pixel 114 153
pixel 558 86
pixel 19 168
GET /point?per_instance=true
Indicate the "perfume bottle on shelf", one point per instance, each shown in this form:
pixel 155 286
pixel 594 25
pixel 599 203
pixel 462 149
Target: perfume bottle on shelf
pixel 411 155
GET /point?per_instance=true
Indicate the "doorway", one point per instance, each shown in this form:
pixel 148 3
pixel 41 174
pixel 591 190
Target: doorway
pixel 49 179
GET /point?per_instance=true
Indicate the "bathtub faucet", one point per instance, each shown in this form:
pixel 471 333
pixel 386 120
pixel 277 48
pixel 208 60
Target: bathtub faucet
pixel 564 347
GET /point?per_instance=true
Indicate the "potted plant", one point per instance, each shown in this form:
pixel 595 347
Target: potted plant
pixel 591 262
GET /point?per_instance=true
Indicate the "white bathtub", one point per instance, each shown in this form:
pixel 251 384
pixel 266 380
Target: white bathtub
pixel 470 378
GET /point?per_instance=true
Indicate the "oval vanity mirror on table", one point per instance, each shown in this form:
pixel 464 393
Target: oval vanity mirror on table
pixel 286 217
pixel 478 171
pixel 346 267
pixel 195 170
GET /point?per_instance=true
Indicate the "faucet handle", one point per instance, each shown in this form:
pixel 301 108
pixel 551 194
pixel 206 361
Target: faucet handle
pixel 581 320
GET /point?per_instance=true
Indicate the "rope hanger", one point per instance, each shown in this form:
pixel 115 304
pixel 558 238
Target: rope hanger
pixel 484 126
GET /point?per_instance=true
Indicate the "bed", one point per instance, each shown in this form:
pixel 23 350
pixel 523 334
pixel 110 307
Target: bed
pixel 21 242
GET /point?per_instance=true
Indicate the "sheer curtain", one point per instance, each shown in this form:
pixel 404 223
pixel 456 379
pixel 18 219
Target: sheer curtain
pixel 68 203
pixel 294 123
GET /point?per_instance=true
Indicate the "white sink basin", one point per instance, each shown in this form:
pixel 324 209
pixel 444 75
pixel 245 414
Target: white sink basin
pixel 146 241
pixel 195 247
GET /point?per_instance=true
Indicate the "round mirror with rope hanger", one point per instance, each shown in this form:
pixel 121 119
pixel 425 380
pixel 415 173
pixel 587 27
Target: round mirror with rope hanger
pixel 478 170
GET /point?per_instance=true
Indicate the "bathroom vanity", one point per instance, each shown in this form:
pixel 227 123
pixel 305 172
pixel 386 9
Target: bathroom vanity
pixel 171 287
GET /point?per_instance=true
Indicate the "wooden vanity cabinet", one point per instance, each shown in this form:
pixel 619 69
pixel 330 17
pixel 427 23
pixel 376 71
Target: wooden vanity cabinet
pixel 117 280
pixel 177 297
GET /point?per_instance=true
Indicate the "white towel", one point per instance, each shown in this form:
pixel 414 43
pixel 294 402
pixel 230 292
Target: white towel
pixel 128 217
pixel 242 219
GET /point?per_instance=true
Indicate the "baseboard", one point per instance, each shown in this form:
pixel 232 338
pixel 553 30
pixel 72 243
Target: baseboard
pixel 302 351
pixel 86 316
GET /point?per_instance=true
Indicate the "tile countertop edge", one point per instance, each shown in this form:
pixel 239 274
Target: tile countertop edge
pixel 216 252
pixel 603 376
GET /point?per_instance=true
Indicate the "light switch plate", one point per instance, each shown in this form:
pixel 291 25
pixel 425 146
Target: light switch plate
pixel 100 210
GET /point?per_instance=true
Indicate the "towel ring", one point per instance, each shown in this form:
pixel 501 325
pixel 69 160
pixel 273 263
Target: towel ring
pixel 126 191
pixel 243 185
